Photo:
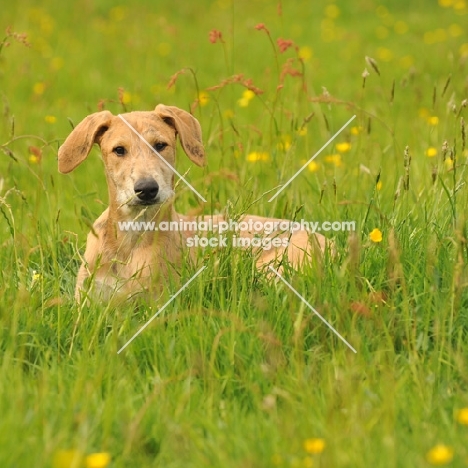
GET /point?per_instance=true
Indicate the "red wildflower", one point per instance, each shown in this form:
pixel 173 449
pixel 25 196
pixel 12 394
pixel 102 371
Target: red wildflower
pixel 284 44
pixel 215 36
pixel 262 27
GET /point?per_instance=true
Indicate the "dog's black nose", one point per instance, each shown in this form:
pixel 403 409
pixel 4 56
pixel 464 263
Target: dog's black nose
pixel 146 189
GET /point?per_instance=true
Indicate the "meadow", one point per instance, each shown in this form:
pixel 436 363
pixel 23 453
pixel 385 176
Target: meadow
pixel 237 371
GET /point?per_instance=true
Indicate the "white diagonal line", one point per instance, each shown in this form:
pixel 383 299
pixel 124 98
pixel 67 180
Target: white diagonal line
pixel 161 309
pixel 312 309
pixel 312 158
pixel 162 159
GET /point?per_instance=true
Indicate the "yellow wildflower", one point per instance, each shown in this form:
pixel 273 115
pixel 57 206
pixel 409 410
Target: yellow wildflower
pixel 203 98
pixel 98 460
pixel 343 147
pixel 284 143
pixel 379 185
pixel 33 159
pixel 126 97
pixel 356 130
pixel 302 131
pixel 313 166
pixel 333 159
pixel 35 277
pixel 247 96
pixel 449 163
pixel 314 445
pixel 305 53
pixel 243 102
pixel 440 455
pixel 433 120
pixel 431 152
pixel 462 416
pixel 376 235
pixel 50 119
pixel 258 156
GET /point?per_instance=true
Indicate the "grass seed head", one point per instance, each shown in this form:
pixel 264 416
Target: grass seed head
pixel 373 64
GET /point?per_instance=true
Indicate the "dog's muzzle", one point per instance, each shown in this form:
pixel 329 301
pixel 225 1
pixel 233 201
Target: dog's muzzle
pixel 146 191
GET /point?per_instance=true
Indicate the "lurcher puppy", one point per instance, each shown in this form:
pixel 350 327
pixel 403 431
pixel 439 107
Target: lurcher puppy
pixel 140 181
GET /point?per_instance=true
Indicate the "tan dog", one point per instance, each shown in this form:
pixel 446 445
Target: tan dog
pixel 141 187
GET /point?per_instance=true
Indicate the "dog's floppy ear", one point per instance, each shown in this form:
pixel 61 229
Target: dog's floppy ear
pixel 188 129
pixel 77 146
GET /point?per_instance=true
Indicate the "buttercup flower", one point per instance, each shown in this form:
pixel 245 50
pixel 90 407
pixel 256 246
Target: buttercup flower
pixel 314 445
pixel 462 416
pixel 343 147
pixel 284 143
pixel 203 98
pixel 376 235
pixel 305 53
pixel 97 460
pixel 431 152
pixel 126 97
pixel 258 156
pixel 333 159
pixel 440 455
pixel 356 130
pixel 247 96
pixel 313 166
pixel 35 277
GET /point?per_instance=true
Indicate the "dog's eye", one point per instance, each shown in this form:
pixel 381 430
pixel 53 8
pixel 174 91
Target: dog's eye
pixel 119 150
pixel 159 146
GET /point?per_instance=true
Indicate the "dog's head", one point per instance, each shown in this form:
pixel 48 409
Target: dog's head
pixel 138 149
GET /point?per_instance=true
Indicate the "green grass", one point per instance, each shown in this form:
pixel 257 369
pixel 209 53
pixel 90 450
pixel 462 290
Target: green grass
pixel 237 372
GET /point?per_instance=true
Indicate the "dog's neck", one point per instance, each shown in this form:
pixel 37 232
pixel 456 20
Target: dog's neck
pixel 137 226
